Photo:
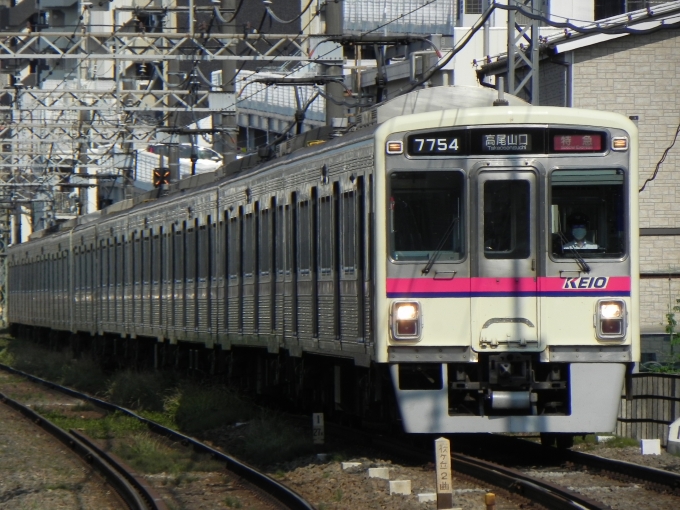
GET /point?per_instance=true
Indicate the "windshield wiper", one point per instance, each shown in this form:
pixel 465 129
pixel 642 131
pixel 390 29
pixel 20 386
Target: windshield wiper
pixel 435 254
pixel 582 264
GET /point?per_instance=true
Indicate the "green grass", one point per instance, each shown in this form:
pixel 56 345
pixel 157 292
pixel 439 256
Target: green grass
pixel 590 440
pixel 193 408
pixel 147 453
pixel 232 502
pixel 104 428
pixel 56 366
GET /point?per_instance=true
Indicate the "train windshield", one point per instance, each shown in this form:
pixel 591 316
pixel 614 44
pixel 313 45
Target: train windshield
pixel 425 216
pixel 588 213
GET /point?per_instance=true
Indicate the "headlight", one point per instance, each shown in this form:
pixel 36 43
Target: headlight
pixel 611 319
pixel 610 310
pixel 405 320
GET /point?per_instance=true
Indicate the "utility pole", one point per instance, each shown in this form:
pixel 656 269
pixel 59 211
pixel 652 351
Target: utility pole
pixel 523 49
pixel 224 140
pixel 334 18
pixel 173 72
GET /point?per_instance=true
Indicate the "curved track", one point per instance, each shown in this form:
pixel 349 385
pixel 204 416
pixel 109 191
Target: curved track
pixel 136 494
pixel 277 494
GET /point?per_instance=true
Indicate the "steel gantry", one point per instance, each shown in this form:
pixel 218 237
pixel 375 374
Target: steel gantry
pixel 81 131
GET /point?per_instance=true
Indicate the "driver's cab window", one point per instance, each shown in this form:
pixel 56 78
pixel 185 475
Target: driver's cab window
pixel 425 216
pixel 587 213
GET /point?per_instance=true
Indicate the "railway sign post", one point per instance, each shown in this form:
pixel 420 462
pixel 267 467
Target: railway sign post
pixel 442 448
pixel 317 428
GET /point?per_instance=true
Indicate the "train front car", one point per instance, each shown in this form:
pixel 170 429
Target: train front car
pixel 507 280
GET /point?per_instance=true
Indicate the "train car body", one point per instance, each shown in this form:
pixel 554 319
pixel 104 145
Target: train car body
pixel 484 258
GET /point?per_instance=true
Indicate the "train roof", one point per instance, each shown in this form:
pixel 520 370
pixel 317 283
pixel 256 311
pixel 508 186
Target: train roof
pixel 316 140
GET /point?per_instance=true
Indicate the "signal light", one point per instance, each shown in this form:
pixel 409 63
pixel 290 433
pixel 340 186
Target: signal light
pixel 161 177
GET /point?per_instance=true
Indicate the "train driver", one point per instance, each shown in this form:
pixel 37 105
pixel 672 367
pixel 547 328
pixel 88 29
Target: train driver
pixel 579 228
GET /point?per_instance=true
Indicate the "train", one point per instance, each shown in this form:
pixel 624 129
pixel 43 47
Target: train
pixel 455 262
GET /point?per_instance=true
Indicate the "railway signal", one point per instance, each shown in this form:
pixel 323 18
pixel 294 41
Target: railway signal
pixel 161 176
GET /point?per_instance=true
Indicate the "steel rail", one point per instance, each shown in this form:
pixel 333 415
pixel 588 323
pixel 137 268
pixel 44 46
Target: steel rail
pixel 277 492
pixel 541 492
pixel 654 477
pixel 134 495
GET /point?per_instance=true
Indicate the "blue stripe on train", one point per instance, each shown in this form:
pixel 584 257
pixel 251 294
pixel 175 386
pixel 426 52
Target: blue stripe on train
pixel 570 293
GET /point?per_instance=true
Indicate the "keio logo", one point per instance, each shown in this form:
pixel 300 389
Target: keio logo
pixel 586 282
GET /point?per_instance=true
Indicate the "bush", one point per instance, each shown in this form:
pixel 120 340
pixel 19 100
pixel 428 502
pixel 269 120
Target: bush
pixel 137 390
pixel 85 375
pixel 199 408
pixel 274 439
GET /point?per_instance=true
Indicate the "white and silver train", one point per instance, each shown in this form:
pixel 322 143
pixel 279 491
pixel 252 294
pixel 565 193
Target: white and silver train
pixel 473 266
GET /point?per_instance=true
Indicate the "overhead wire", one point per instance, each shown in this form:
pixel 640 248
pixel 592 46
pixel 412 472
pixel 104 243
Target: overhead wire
pixel 661 160
pixel 456 49
pixel 267 7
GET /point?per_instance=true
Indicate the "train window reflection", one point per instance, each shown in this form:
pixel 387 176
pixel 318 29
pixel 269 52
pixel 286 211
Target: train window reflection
pixel 507 219
pixel 424 213
pixel 588 213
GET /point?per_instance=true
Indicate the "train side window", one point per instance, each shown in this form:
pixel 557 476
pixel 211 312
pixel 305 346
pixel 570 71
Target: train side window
pixel 166 256
pixel 119 261
pixel 104 264
pixel 127 263
pixel 325 235
pixel 234 249
pixel 290 254
pixel 507 210
pixel 203 252
pixel 425 216
pixel 136 260
pixel 348 233
pixel 264 241
pixel 588 214
pixel 304 246
pixel 210 255
pixel 178 256
pixel 190 254
pixel 278 240
pixel 248 246
pixel 156 258
pixel 147 258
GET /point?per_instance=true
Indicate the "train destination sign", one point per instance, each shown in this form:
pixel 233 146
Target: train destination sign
pixel 511 140
pixel 591 142
pixel 507 142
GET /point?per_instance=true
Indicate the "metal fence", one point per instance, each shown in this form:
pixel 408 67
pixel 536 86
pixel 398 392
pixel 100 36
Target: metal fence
pixel 655 404
pixel 400 16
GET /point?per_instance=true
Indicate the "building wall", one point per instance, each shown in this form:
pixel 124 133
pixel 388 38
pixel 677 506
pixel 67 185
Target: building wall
pixel 552 84
pixel 640 76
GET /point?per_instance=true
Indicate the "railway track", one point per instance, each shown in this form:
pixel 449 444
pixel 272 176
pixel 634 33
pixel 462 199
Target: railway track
pixel 136 493
pixel 272 493
pixel 513 447
pixel 613 483
pixel 494 460
pixel 500 471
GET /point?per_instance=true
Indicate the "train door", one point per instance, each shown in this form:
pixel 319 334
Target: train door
pixel 504 291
